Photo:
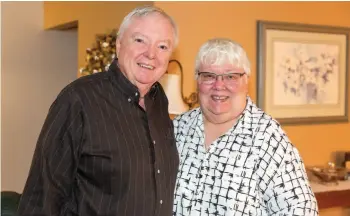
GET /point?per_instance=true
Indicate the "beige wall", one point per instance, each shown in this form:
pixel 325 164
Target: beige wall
pixel 36 65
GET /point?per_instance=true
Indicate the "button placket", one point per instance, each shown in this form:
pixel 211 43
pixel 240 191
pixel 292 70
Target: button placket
pixel 203 172
pixel 158 170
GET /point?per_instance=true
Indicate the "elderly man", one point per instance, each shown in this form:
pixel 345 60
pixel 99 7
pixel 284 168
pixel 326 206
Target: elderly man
pixel 234 158
pixel 107 146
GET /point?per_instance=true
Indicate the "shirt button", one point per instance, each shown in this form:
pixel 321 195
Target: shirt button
pixel 136 94
pixel 129 99
pixel 154 142
pixel 158 171
pixel 161 201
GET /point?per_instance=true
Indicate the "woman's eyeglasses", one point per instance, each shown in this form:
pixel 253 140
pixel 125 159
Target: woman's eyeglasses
pixel 210 78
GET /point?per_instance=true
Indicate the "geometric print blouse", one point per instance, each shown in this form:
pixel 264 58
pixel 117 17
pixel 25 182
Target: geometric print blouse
pixel 253 169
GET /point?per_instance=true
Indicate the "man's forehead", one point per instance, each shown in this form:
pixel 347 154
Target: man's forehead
pixel 152 24
pixel 155 18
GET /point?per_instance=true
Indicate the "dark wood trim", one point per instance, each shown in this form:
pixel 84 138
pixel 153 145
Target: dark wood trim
pixel 332 199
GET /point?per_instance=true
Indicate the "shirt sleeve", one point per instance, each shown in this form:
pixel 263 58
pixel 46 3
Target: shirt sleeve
pixel 49 184
pixel 289 191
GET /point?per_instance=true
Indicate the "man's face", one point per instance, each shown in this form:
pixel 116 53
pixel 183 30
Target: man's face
pixel 221 96
pixel 145 48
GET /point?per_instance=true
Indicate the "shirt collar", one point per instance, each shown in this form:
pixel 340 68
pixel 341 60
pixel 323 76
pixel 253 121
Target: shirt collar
pixel 125 86
pixel 246 118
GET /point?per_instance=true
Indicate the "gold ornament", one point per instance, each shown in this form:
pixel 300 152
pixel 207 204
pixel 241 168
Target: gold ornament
pixel 100 56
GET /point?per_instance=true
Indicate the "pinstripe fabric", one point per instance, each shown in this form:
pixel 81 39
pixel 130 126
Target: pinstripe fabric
pixel 100 153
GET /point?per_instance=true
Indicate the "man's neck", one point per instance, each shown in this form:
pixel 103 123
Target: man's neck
pixel 142 103
pixel 143 89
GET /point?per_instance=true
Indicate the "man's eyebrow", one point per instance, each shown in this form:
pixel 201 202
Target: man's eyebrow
pixel 138 34
pixel 168 41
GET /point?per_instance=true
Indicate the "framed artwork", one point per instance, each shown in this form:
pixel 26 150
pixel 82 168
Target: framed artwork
pixel 303 72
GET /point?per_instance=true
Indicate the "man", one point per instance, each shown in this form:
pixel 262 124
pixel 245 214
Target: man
pixel 107 145
pixel 234 158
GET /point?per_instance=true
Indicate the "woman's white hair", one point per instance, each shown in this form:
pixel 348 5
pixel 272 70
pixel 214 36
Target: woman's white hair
pixel 219 51
pixel 145 11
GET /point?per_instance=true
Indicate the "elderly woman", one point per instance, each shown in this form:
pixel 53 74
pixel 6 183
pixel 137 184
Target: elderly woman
pixel 234 158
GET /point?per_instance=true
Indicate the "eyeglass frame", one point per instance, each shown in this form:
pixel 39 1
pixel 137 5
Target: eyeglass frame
pixel 198 73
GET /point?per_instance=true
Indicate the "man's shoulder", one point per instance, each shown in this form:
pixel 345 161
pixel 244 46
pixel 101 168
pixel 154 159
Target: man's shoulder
pixel 85 82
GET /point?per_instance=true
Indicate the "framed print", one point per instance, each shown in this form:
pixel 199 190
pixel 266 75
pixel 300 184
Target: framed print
pixel 303 72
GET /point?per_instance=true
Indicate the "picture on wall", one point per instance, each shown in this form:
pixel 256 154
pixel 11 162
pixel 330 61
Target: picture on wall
pixel 303 72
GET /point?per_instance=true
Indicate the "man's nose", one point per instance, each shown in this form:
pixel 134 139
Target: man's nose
pixel 151 52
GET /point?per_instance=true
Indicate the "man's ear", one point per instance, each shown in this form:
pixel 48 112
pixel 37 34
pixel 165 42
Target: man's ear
pixel 117 46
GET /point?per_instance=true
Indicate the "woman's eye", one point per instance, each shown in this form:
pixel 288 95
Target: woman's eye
pixel 230 77
pixel 209 76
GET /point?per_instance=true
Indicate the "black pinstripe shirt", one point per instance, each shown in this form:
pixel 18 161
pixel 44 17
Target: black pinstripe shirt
pixel 100 153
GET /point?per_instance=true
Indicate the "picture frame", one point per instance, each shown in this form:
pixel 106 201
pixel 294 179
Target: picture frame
pixel 303 72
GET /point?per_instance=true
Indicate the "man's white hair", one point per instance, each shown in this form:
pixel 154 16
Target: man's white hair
pixel 145 11
pixel 219 51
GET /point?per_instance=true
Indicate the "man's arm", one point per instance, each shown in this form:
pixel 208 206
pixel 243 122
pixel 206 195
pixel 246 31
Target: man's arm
pixel 289 192
pixel 49 184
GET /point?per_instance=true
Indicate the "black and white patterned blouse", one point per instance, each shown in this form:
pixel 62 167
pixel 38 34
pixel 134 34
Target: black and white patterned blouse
pixel 253 169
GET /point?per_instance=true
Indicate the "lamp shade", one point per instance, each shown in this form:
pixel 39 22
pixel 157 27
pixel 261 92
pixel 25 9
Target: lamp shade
pixel 172 86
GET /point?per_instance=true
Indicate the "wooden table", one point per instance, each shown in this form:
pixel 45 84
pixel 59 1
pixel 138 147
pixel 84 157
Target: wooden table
pixel 332 196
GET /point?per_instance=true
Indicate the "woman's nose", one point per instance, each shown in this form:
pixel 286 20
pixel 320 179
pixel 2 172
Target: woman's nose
pixel 219 82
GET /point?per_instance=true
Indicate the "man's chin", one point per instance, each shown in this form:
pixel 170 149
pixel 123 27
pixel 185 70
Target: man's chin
pixel 144 84
pixel 146 81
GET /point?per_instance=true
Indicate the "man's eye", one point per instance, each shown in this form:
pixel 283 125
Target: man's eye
pixel 138 40
pixel 163 47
